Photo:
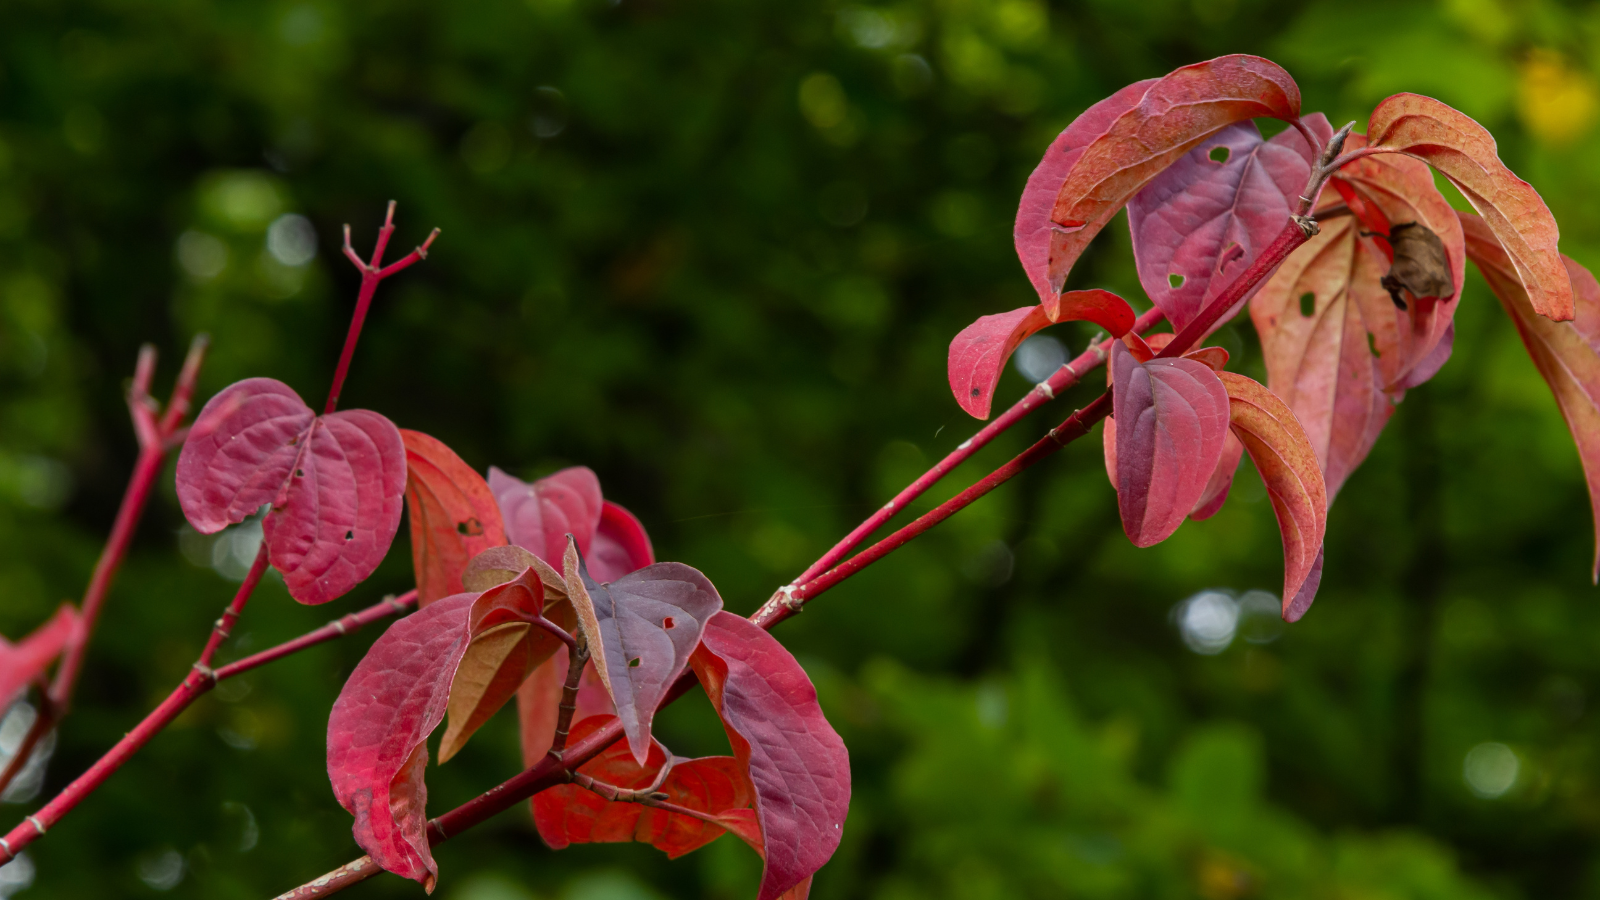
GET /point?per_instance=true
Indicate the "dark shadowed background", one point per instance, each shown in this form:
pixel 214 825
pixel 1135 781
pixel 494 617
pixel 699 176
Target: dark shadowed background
pixel 716 251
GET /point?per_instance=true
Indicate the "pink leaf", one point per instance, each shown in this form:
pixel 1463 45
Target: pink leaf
pixel 378 730
pixel 641 629
pixel 27 659
pixel 335 483
pixel 1033 228
pixel 539 516
pixel 1216 492
pixel 797 762
pixel 1201 222
pixel 620 544
pixel 978 354
pixel 1173 115
pixel 1172 418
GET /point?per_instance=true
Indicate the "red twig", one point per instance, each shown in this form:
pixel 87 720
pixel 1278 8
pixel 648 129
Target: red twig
pixel 371 274
pixel 338 628
pixel 1061 380
pixel 154 440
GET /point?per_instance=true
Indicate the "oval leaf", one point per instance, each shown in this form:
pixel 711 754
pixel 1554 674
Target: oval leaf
pixel 334 483
pixel 1033 227
pixel 979 353
pixel 1465 152
pixel 1172 419
pixel 569 814
pixel 1204 220
pixel 1321 364
pixel 1567 354
pixel 1174 114
pixel 641 629
pixel 453 515
pixel 1221 481
pixel 378 730
pixel 1288 466
pixel 794 758
pixel 539 516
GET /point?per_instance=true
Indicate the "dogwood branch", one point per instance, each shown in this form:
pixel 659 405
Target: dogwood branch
pixel 155 438
pixel 1061 380
pixel 552 770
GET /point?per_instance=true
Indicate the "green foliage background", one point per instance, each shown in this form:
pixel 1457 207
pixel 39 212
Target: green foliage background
pixel 716 251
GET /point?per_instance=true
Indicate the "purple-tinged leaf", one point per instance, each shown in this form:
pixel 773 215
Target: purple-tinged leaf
pixel 1216 492
pixel 1204 220
pixel 641 629
pixel 797 762
pixel 978 354
pixel 335 483
pixel 1179 111
pixel 540 515
pixel 1172 421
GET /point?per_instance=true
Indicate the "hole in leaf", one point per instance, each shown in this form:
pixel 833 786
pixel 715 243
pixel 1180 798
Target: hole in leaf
pixel 294 440
pixel 668 623
pixel 1308 304
pixel 634 663
pixel 299 473
pixel 470 528
pixel 977 392
pixel 1219 154
pixel 1175 280
pixel 1372 344
pixel 349 535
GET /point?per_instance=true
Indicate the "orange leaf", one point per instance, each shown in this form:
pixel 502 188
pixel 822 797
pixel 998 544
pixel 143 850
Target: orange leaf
pixel 569 814
pixel 1465 152
pixel 453 515
pixel 1567 354
pixel 1288 466
pixel 1174 114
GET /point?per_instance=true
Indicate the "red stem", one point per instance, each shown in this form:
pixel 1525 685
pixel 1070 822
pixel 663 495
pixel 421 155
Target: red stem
pixel 371 273
pixel 230 615
pixel 1061 380
pixel 336 629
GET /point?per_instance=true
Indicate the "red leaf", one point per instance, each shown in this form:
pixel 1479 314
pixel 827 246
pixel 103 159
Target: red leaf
pixel 1384 192
pixel 641 629
pixel 1173 115
pixel 1465 152
pixel 1321 364
pixel 334 483
pixel 539 516
pixel 569 814
pixel 798 764
pixel 453 515
pixel 1034 228
pixel 620 544
pixel 1201 222
pixel 1172 418
pixel 1288 466
pixel 1567 354
pixel 978 354
pixel 27 659
pixel 378 729
pixel 1216 492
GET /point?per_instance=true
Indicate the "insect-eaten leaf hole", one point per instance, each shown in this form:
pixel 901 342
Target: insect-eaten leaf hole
pixel 668 623
pixel 1372 344
pixel 471 527
pixel 1175 280
pixel 1219 154
pixel 349 535
pixel 299 473
pixel 634 663
pixel 1308 304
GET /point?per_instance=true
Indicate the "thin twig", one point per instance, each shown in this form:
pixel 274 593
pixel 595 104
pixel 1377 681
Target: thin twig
pixel 389 606
pixel 577 658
